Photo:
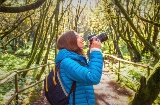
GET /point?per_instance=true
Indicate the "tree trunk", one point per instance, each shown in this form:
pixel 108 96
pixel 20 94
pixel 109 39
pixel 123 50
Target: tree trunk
pixel 35 47
pixel 157 19
pixel 116 40
pixel 148 91
pixel 39 56
pixel 136 54
pixel 55 29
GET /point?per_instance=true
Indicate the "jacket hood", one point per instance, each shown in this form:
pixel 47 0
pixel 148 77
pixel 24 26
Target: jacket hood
pixel 64 53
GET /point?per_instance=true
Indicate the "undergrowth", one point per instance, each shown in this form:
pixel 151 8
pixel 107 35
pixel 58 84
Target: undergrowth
pixel 10 63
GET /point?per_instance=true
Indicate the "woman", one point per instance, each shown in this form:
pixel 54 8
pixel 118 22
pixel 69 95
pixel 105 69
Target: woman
pixel 70 46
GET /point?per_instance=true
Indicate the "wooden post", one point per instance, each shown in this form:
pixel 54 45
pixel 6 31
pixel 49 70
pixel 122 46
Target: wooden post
pixel 108 59
pixel 118 70
pixel 16 87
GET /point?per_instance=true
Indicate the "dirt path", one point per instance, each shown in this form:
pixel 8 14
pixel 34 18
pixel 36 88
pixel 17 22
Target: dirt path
pixel 107 92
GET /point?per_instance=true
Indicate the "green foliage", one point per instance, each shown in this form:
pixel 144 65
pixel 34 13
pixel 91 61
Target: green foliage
pixel 23 52
pixel 123 48
pixel 9 63
pixel 157 101
pixel 9 49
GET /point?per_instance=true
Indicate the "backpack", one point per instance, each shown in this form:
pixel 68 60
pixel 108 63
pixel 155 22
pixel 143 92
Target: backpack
pixel 54 90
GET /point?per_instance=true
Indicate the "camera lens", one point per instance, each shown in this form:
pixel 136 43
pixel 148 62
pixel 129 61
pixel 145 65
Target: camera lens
pixel 102 37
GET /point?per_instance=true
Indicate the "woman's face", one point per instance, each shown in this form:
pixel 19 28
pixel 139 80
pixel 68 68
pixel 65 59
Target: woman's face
pixel 80 40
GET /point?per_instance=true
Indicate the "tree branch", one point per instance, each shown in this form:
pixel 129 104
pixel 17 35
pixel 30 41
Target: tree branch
pixel 22 8
pixel 149 21
pixel 145 42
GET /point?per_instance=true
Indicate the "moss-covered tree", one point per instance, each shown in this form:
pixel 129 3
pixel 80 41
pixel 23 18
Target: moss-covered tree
pixel 149 89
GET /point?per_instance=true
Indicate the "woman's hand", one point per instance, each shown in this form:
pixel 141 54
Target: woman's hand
pixel 96 43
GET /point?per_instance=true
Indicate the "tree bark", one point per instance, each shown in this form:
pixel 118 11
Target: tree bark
pixel 148 91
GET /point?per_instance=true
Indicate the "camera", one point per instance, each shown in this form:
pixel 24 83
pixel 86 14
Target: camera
pixel 102 37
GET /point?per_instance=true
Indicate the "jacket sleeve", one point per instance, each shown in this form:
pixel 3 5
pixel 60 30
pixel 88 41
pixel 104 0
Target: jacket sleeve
pixel 90 74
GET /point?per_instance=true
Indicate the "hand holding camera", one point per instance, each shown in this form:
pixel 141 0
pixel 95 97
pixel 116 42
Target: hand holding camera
pixel 95 41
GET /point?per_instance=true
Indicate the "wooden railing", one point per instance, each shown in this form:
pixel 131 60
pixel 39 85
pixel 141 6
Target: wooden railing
pixel 17 90
pixel 107 59
pixel 110 59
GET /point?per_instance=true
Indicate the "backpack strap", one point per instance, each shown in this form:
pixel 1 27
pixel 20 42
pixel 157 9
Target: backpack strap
pixel 54 77
pixel 46 83
pixel 73 87
pixel 74 83
pixel 73 90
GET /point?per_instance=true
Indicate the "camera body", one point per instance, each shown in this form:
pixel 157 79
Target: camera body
pixel 102 37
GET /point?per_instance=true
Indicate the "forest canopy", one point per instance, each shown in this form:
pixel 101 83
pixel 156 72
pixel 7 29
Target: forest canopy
pixel 29 29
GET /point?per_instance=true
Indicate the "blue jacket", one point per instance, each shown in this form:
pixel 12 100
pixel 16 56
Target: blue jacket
pixel 85 76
